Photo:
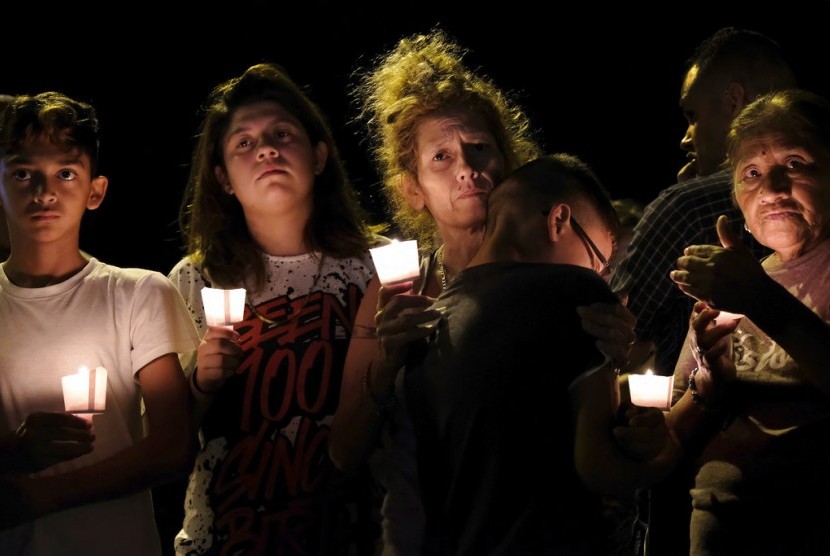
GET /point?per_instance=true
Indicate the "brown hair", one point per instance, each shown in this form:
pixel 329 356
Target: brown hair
pixel 213 222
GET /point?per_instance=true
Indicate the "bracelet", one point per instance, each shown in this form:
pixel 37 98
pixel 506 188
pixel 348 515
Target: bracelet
pixel 198 388
pixel 382 406
pixel 697 398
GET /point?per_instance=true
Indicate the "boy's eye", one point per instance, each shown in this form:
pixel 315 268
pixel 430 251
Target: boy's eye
pixel 21 175
pixel 66 175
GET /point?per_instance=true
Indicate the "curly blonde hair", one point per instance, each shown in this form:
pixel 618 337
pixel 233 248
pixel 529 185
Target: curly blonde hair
pixel 421 75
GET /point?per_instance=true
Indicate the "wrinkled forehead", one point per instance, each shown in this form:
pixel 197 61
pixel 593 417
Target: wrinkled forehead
pixel 761 145
pixel 451 121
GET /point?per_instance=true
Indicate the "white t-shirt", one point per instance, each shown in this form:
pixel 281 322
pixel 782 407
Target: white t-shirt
pixel 119 319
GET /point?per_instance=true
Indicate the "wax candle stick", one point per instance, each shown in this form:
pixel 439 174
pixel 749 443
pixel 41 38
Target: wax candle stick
pixel 396 262
pixel 651 390
pixel 223 307
pixel 85 392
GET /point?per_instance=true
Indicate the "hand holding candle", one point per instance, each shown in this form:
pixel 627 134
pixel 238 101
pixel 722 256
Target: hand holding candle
pixel 223 307
pixel 651 390
pixel 396 262
pixel 45 439
pixel 725 317
pixel 85 392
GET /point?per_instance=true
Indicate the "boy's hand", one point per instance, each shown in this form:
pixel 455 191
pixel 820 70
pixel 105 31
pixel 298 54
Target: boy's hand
pixel 45 439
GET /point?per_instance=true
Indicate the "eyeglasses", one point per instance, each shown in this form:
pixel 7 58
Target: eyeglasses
pixel 584 235
pixel 580 231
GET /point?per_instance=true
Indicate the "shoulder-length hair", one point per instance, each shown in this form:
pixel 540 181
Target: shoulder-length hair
pixel 212 221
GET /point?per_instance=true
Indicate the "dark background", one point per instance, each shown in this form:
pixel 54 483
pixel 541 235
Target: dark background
pixel 600 82
pixel 597 81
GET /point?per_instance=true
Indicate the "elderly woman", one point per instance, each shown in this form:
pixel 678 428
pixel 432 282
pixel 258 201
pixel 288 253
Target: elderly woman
pixel 754 413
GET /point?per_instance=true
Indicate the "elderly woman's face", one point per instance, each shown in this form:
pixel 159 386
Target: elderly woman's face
pixel 783 191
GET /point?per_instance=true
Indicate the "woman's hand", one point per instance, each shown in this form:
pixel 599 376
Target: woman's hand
pixel 726 276
pixel 217 358
pixel 710 343
pixel 402 318
pixel 645 434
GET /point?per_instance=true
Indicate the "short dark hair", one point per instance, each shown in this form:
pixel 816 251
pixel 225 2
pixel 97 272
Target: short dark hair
pixel 748 57
pixel 67 123
pixel 561 177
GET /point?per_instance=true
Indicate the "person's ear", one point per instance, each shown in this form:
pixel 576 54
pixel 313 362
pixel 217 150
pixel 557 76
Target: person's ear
pixel 321 153
pixel 736 98
pixel 558 217
pixel 222 178
pixel 97 192
pixel 412 192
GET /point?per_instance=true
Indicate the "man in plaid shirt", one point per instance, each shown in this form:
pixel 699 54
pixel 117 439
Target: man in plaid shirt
pixel 727 71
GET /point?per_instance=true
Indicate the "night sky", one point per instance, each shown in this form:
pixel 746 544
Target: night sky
pixel 599 83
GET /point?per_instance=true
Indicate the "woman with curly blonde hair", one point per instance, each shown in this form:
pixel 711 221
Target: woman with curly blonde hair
pixel 421 78
pixel 443 138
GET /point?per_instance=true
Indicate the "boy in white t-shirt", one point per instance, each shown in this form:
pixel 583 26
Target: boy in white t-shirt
pixel 69 487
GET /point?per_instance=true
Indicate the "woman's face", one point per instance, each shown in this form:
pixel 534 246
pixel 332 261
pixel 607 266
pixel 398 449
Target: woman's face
pixel 457 165
pixel 270 162
pixel 784 192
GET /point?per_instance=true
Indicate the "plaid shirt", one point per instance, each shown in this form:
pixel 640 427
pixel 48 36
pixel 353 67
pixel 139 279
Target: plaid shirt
pixel 681 215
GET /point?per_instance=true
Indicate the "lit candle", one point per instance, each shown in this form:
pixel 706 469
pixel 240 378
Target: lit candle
pixel 651 390
pixel 85 392
pixel 396 262
pixel 725 317
pixel 223 307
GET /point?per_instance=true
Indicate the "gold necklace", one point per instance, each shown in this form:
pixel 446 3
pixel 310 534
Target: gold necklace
pixel 270 323
pixel 440 256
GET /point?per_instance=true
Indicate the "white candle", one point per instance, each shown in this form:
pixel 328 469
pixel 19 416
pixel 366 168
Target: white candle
pixel 85 392
pixel 725 317
pixel 651 390
pixel 223 307
pixel 396 262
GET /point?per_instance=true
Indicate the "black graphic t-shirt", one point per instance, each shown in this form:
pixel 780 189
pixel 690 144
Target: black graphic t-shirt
pixel 263 482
